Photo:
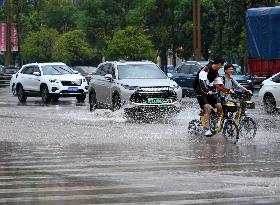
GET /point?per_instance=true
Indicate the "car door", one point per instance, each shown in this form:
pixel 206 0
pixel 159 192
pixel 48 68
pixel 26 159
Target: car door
pixel 97 83
pixel 109 84
pixel 26 78
pixel 106 85
pixel 35 80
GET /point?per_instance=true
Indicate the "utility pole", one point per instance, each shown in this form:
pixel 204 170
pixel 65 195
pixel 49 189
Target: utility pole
pixel 8 53
pixel 196 30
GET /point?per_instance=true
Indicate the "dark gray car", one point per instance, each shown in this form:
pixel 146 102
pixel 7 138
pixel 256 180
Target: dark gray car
pixel 185 75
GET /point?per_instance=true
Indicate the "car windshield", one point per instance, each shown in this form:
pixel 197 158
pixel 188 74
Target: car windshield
pixel 140 71
pixel 188 68
pixel 57 70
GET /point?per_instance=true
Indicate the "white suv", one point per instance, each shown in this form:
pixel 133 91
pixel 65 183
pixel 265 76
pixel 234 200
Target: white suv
pixel 135 86
pixel 50 81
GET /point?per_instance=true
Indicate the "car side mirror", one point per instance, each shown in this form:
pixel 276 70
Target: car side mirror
pixel 37 73
pixel 109 77
pixel 169 75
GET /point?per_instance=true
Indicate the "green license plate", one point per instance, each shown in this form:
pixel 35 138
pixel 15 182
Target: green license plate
pixel 155 101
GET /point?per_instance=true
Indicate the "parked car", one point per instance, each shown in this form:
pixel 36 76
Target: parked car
pixel 269 93
pixel 185 76
pixel 7 72
pixel 170 69
pixel 136 86
pixel 86 71
pixel 244 80
pixel 50 81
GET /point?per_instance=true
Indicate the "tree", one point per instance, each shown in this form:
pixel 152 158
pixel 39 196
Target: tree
pixel 130 44
pixel 38 46
pixel 73 48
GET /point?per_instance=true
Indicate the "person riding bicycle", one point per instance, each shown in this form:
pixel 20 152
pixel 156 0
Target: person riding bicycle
pixel 206 85
pixel 230 83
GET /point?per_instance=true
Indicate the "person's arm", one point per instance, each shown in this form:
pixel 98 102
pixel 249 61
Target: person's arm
pixel 236 84
pixel 219 85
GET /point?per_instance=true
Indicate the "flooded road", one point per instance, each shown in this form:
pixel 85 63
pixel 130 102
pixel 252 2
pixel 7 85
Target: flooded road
pixel 63 154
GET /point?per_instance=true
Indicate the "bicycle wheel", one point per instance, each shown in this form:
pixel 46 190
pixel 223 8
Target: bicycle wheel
pixel 230 131
pixel 247 128
pixel 195 127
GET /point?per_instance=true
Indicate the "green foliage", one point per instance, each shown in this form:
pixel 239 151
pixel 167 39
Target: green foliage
pixel 130 44
pixel 72 48
pixel 167 22
pixel 58 15
pixel 38 46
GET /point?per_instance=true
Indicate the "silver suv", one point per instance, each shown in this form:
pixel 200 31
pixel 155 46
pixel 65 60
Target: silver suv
pixel 135 86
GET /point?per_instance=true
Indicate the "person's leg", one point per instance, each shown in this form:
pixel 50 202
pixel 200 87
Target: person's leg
pixel 219 109
pixel 207 110
pixel 219 114
pixel 204 104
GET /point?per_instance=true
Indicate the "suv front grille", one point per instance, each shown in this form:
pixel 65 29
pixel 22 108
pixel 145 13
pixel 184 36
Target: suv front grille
pixel 71 83
pixel 141 96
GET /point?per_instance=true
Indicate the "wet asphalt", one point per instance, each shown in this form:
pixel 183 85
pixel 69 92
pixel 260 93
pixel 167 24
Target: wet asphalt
pixel 62 154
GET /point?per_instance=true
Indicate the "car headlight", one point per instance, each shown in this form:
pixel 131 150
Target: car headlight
pixel 54 81
pixel 130 87
pixel 174 87
pixel 249 81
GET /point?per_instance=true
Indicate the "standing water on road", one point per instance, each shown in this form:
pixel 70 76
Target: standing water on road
pixel 61 153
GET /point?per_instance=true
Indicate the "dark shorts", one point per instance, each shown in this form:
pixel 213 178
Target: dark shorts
pixel 208 99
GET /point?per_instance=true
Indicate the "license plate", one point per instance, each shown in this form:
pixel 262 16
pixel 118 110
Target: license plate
pixel 155 100
pixel 72 89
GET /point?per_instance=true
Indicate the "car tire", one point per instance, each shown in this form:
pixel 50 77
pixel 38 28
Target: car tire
pixel 14 91
pixel 269 104
pixel 55 98
pixel 116 102
pixel 46 98
pixel 21 95
pixel 92 101
pixel 81 98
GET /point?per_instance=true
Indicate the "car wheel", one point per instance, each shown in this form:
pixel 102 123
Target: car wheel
pixel 269 104
pixel 81 98
pixel 92 101
pixel 116 102
pixel 21 95
pixel 14 91
pixel 55 98
pixel 46 98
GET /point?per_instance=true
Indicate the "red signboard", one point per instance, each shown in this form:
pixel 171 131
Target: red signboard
pixel 14 38
pixel 3 37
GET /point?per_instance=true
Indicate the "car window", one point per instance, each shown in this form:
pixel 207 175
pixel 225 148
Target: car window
pixel 276 79
pixel 99 69
pixel 27 70
pixel 140 71
pixel 107 69
pixel 102 70
pixel 111 70
pixel 36 69
pixel 188 68
pixel 57 70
